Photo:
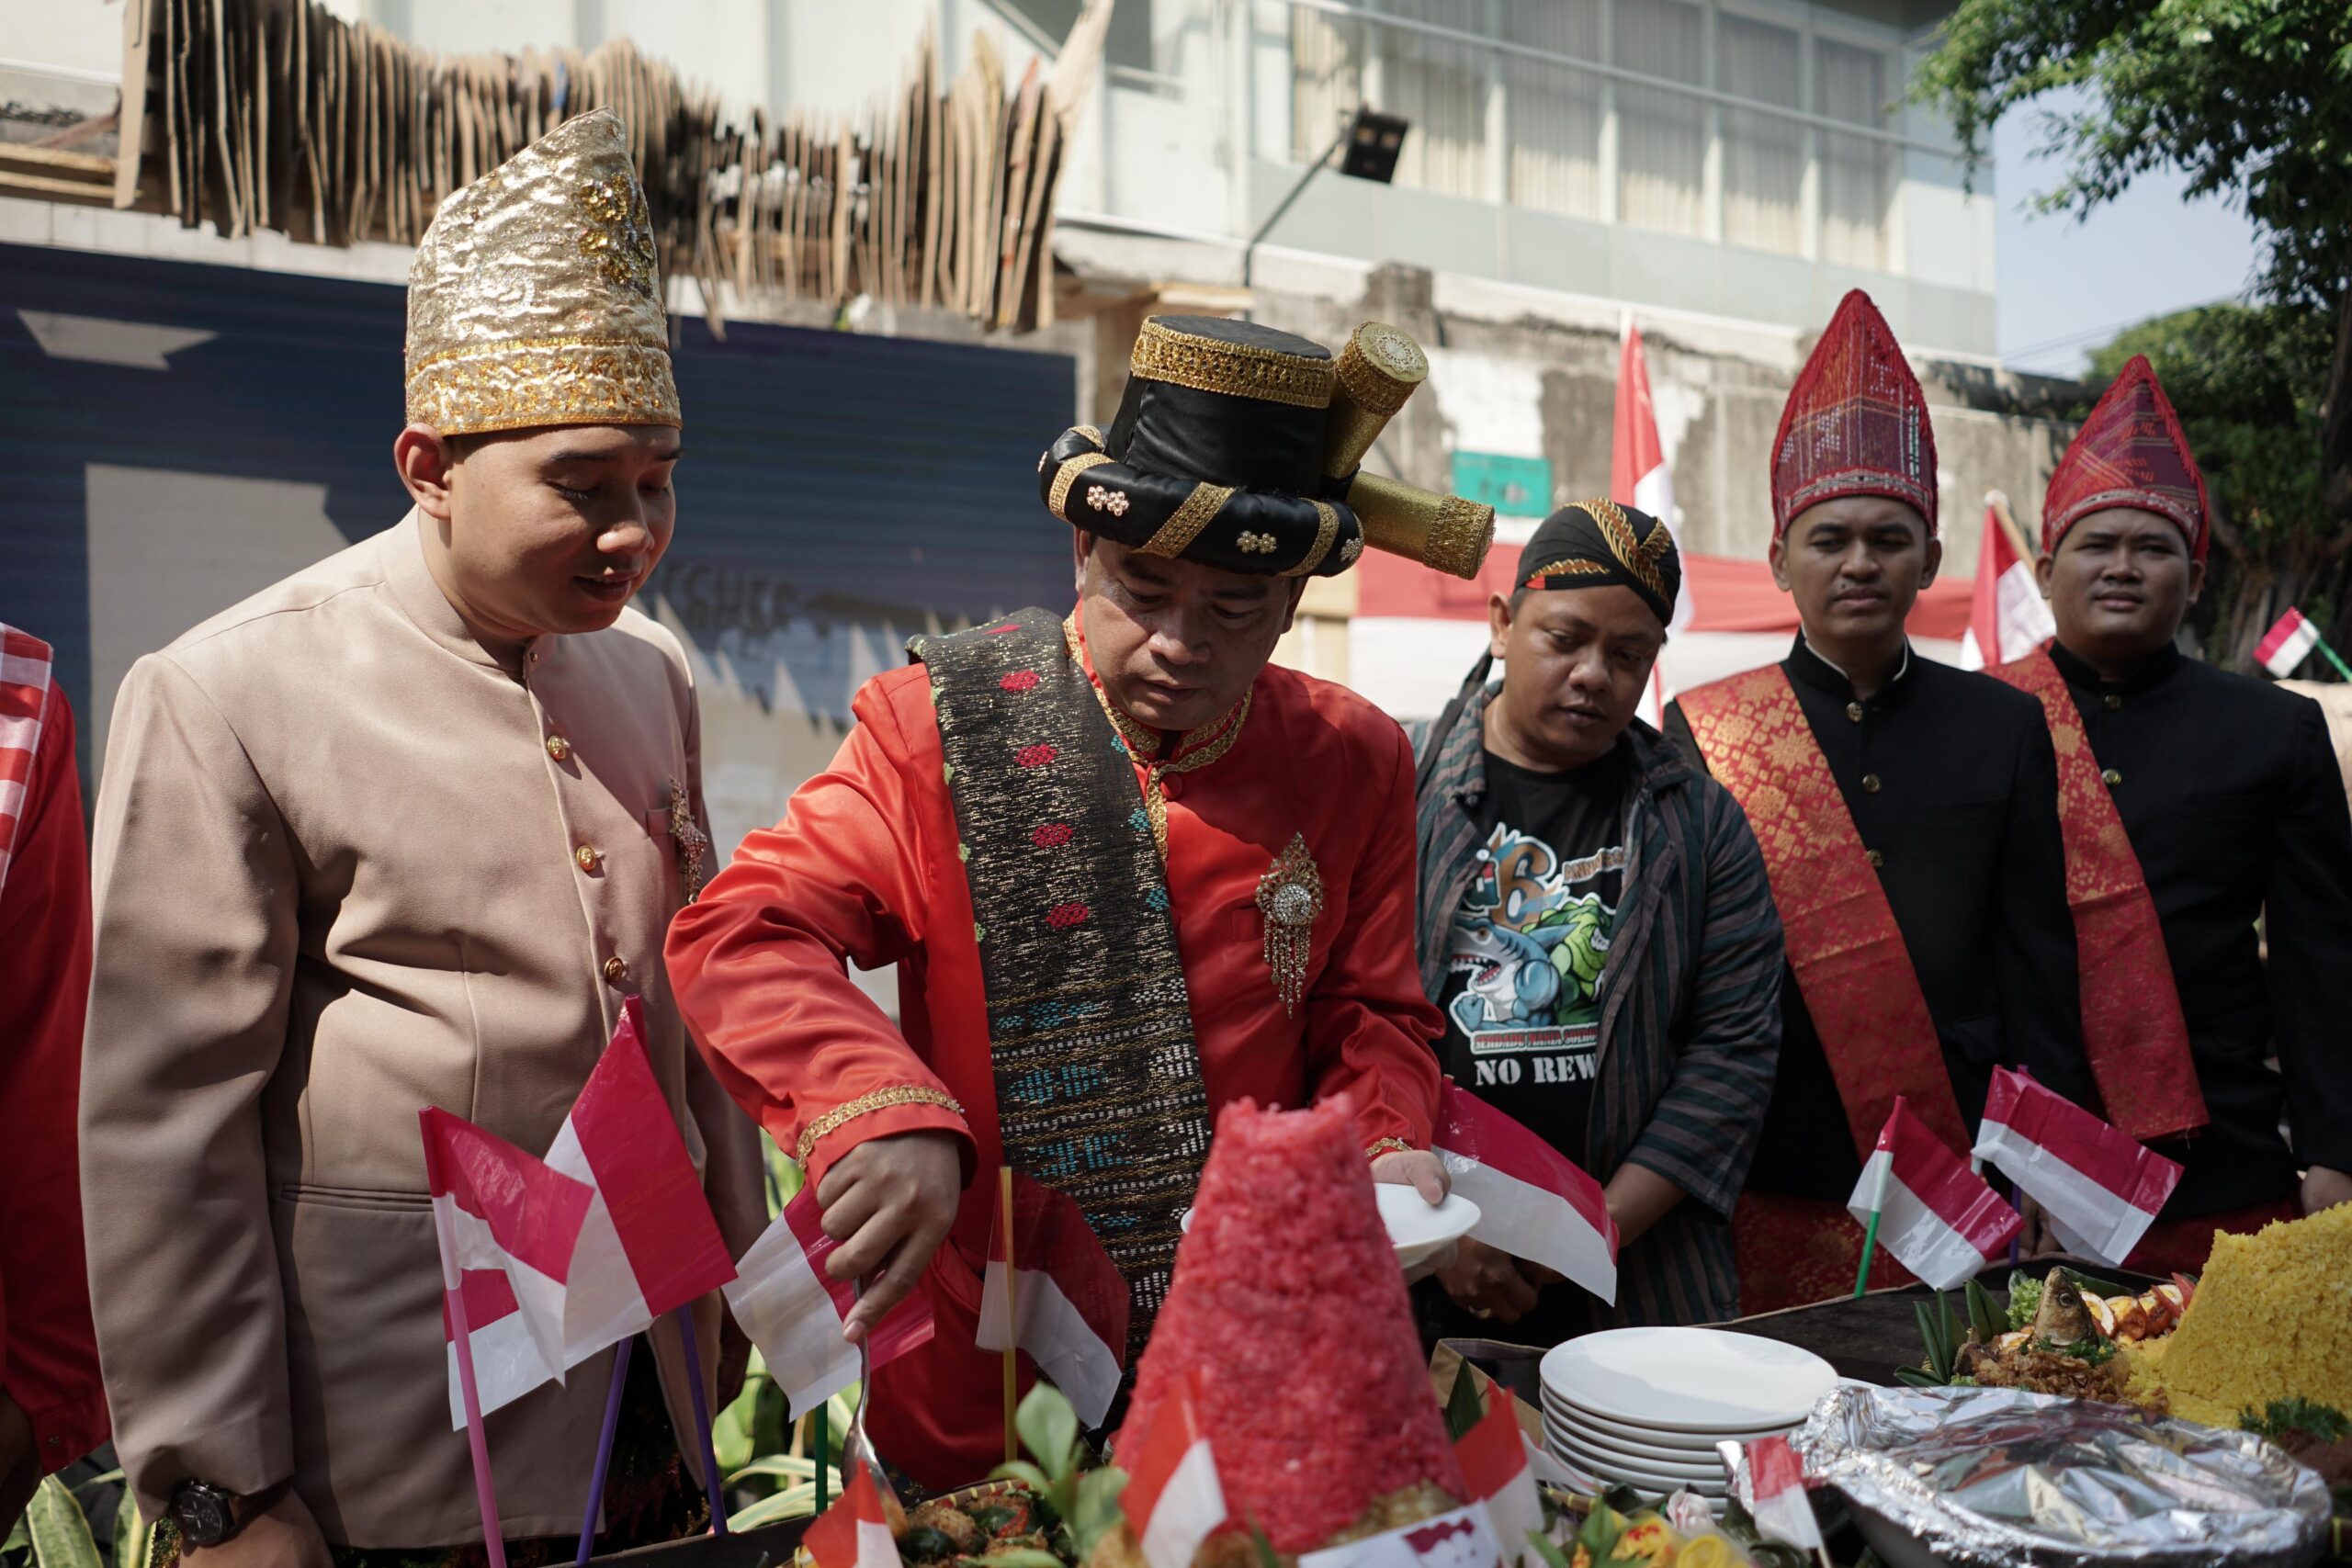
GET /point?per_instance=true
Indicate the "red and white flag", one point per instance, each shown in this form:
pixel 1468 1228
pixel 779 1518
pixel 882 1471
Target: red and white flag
pixel 1772 1485
pixel 2099 1186
pixel 1069 1298
pixel 508 1226
pixel 1938 1217
pixel 856 1531
pixel 793 1310
pixel 1639 477
pixel 1532 1201
pixel 1173 1499
pixel 1498 1464
pixel 2008 618
pixel 24 702
pixel 649 1243
pixel 2288 644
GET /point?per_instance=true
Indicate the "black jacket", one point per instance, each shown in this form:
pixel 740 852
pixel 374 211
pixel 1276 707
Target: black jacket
pixel 2229 791
pixel 1951 780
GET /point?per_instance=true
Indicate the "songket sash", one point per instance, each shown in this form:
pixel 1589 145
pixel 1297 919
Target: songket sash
pixel 1098 1081
pixel 1844 946
pixel 2133 1028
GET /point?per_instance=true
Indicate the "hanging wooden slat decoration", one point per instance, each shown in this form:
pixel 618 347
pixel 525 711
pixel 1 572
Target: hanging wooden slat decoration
pixel 279 115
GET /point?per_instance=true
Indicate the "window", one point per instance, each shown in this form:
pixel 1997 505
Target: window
pixel 1763 153
pixel 1441 87
pixel 1857 173
pixel 1553 111
pixel 1327 62
pixel 1661 136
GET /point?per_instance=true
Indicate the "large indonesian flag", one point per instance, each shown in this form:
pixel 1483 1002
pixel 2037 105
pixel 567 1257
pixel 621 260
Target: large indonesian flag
pixel 2008 618
pixel 507 1226
pixel 1173 1499
pixel 793 1310
pixel 1056 1293
pixel 1499 1465
pixel 648 1243
pixel 2288 644
pixel 2100 1188
pixel 1639 477
pixel 854 1532
pixel 1938 1217
pixel 1532 1201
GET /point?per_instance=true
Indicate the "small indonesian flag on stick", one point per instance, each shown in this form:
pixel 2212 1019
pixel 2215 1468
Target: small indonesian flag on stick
pixel 1769 1482
pixel 2291 642
pixel 1920 1201
pixel 793 1310
pixel 2101 1188
pixel 1499 1464
pixel 1056 1294
pixel 1173 1499
pixel 1532 1201
pixel 856 1531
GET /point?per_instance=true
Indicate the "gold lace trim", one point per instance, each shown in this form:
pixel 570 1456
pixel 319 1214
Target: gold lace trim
pixel 1641 557
pixel 1199 510
pixel 880 1099
pixel 1067 476
pixel 1238 370
pixel 1565 569
pixel 1196 748
pixel 1387 1146
pixel 1326 528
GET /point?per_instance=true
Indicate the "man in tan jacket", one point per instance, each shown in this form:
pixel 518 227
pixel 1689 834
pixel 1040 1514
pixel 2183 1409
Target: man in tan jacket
pixel 400 831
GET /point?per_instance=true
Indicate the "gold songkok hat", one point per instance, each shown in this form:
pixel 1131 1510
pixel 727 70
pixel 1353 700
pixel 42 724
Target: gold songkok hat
pixel 535 294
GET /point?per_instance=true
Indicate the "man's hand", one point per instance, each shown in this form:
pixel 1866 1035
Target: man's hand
pixel 1486 1282
pixel 888 1202
pixel 1416 1168
pixel 2036 1239
pixel 281 1536
pixel 2324 1188
pixel 19 1464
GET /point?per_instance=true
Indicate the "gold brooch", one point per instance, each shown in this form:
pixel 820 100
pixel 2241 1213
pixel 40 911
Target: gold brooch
pixel 1290 895
pixel 692 841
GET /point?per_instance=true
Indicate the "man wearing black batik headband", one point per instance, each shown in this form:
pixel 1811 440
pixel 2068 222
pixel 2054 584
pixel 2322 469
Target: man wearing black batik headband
pixel 1596 928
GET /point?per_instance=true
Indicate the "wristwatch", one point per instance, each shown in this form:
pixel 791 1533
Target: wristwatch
pixel 205 1515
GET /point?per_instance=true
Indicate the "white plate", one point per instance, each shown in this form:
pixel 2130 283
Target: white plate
pixel 1688 1379
pixel 1649 1481
pixel 1629 1450
pixel 1593 1458
pixel 1418 1229
pixel 1625 1432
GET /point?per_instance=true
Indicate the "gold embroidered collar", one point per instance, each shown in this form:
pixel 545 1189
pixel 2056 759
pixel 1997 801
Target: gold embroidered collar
pixel 1196 748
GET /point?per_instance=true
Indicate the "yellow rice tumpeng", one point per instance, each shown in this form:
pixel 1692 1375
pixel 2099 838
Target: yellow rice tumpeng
pixel 2272 1319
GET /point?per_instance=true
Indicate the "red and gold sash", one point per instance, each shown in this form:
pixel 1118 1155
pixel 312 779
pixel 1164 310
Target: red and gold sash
pixel 1844 945
pixel 2133 1028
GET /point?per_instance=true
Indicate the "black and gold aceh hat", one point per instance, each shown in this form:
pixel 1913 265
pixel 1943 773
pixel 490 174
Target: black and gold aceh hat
pixel 1241 448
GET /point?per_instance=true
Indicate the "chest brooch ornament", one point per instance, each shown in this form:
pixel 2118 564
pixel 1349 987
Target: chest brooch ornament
pixel 1290 895
pixel 692 841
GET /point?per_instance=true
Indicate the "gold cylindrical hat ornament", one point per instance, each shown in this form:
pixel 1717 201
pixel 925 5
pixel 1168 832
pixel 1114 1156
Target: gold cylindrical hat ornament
pixel 1443 533
pixel 1377 371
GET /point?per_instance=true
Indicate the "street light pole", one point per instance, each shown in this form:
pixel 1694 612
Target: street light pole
pixel 1250 250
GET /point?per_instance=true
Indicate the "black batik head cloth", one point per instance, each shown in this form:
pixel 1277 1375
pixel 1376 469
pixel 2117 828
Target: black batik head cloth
pixel 1241 447
pixel 1595 543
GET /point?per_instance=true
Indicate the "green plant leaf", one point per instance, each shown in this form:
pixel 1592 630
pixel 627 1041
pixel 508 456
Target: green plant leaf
pixel 134 1539
pixel 1025 1557
pixel 1984 1317
pixel 1547 1550
pixel 1461 1405
pixel 1048 1425
pixel 108 1479
pixel 1917 1378
pixel 1265 1549
pixel 782 1467
pixel 61 1536
pixel 796 1503
pixel 1096 1513
pixel 1028 1475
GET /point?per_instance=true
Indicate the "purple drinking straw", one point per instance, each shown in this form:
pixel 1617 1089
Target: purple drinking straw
pixel 605 1450
pixel 702 1419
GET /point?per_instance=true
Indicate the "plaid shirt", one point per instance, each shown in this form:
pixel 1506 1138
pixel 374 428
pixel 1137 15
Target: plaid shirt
pixel 1690 1017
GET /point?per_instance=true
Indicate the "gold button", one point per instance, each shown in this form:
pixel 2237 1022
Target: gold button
pixel 559 747
pixel 587 856
pixel 2110 778
pixel 1869 783
pixel 1875 858
pixel 616 970
pixel 1854 712
pixel 2114 702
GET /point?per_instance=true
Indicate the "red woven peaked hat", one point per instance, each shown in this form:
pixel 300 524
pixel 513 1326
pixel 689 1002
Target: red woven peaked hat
pixel 1856 422
pixel 2128 453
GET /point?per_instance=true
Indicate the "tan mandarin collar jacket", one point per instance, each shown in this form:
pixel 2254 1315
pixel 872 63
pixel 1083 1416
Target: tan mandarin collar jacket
pixel 346 867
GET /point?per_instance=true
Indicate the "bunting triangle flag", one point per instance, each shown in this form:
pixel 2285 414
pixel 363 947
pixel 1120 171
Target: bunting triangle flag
pixel 1937 1216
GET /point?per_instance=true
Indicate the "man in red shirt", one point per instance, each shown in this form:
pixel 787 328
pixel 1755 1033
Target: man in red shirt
pixel 1128 869
pixel 52 1407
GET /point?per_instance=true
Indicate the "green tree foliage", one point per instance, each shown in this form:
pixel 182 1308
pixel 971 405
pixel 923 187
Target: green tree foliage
pixel 2251 100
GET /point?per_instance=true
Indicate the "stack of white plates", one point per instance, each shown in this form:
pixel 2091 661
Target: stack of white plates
pixel 1647 1406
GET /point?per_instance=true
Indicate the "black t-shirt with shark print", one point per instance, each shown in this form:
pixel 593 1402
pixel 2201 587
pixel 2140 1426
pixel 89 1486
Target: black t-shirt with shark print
pixel 1524 960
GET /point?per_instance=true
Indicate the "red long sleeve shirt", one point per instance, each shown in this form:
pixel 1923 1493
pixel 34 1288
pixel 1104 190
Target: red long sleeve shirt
pixel 49 1355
